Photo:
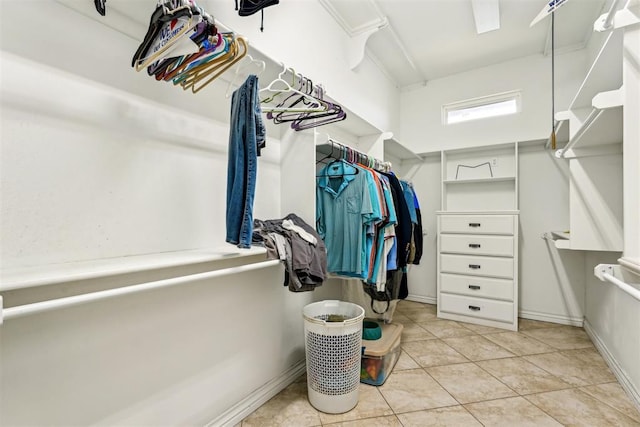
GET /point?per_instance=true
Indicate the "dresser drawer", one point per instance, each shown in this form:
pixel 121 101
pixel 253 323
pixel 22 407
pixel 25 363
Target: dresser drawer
pixel 477 224
pixel 477 244
pixel 477 307
pixel 477 286
pixel 477 265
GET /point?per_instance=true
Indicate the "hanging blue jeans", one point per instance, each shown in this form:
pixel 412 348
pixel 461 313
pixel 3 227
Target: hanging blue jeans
pixel 246 138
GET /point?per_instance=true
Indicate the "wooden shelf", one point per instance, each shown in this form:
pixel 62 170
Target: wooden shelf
pixel 479 180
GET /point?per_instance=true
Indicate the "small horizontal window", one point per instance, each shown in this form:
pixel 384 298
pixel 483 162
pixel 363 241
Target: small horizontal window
pixel 481 108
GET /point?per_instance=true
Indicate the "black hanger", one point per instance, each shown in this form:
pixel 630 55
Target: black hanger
pixel 101 6
pixel 330 155
pixel 159 18
pixel 338 175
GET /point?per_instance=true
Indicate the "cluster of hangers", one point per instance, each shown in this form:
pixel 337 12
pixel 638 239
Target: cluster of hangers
pixel 342 152
pixel 183 46
pixel 298 101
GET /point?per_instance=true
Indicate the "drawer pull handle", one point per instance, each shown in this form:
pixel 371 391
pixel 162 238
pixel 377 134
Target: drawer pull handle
pixel 474 266
pixel 474 245
pixel 474 224
pixel 474 308
pixel 474 287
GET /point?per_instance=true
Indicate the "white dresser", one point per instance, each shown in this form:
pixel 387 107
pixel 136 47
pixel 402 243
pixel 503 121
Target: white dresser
pixel 478 268
pixel 478 237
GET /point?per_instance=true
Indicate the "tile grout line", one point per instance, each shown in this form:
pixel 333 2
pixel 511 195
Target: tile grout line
pixel 556 350
pixel 602 401
pixel 542 410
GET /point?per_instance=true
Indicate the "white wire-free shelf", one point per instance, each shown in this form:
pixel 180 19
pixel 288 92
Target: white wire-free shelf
pixel 561 239
pixel 605 73
pixel 599 126
pixel 479 180
pixel 25 277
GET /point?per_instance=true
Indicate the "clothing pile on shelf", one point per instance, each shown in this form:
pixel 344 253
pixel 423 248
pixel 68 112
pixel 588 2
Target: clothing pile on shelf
pixel 371 224
pixel 298 245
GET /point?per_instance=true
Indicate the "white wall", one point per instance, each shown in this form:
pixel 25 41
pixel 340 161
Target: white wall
pixel 551 280
pixel 422 129
pixel 98 162
pixel 303 35
pixel 426 179
pixel 612 316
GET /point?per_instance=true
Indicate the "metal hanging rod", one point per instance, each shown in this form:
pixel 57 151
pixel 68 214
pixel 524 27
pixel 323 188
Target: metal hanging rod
pixel 605 272
pixel 380 163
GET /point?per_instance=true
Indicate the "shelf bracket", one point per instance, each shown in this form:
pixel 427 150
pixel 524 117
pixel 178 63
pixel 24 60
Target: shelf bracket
pixel 357 44
pixel 607 273
pixel 620 19
pixel 601 269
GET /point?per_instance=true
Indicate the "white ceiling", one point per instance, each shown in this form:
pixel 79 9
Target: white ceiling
pixel 428 39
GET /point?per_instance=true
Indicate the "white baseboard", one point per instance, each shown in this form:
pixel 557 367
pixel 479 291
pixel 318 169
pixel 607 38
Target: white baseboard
pixel 259 397
pixel 420 298
pixel 617 370
pixel 553 318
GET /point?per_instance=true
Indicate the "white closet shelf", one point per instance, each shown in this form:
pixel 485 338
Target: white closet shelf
pixel 479 180
pixel 399 150
pixel 604 74
pixel 561 239
pixel 602 126
pixel 26 277
pixel 479 212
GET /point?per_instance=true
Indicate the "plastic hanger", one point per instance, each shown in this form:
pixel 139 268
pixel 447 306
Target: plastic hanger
pixel 203 32
pixel 242 68
pixel 238 49
pixel 165 36
pixel 356 171
pixel 211 48
pixel 315 104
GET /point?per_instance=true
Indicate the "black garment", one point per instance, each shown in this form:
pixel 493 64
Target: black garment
pixel 418 238
pixel 403 228
pixel 249 7
pixel 403 291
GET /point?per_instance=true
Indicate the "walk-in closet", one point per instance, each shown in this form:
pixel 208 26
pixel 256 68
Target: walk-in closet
pixel 186 184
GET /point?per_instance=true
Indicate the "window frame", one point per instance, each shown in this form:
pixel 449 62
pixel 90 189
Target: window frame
pixel 514 95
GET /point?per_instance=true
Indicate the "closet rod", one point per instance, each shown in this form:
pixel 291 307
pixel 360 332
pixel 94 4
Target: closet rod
pixel 610 15
pixel 605 272
pixel 591 118
pixel 39 307
pixel 380 162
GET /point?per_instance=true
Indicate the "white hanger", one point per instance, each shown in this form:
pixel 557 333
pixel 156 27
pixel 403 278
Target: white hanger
pixel 314 101
pixel 243 67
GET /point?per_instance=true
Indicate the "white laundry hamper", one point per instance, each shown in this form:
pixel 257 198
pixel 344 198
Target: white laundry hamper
pixel 333 344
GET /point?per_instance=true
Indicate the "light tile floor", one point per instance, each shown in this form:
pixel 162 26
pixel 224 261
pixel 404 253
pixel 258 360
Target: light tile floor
pixel 458 374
